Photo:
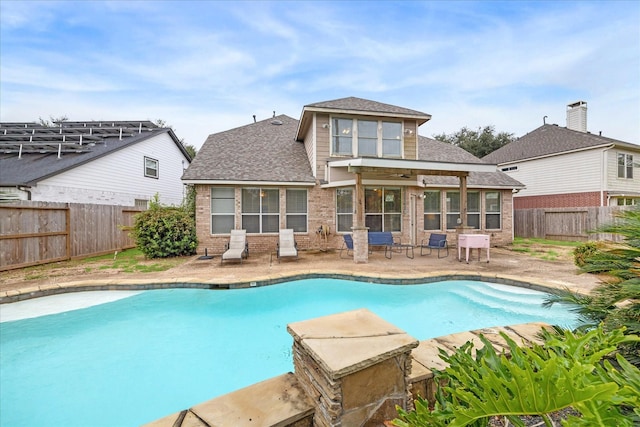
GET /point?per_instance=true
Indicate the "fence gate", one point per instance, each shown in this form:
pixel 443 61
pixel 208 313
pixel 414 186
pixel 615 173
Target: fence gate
pixel 566 225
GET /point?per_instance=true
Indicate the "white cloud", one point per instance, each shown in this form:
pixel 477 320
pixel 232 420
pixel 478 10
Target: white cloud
pixel 205 67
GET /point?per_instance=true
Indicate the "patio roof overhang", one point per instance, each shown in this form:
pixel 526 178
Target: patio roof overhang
pixel 365 165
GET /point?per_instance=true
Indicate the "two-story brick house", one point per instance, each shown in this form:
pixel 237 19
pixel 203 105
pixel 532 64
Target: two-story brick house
pixel 348 165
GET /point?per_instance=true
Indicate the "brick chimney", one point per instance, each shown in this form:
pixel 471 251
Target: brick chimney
pixel 577 116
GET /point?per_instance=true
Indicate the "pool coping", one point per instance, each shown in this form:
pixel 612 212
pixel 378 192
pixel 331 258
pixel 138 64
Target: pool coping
pixel 15 295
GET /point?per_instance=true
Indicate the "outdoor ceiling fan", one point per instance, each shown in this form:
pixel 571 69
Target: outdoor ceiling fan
pixel 400 175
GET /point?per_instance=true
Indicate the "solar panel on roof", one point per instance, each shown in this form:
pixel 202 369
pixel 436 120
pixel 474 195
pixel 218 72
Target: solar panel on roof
pixel 66 136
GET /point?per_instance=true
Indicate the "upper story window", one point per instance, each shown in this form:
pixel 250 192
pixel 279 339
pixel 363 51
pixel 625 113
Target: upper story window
pixel 625 165
pixel 150 167
pixel 373 138
pixel 342 137
pixel 391 139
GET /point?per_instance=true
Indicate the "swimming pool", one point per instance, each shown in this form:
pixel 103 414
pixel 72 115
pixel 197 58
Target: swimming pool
pixel 134 360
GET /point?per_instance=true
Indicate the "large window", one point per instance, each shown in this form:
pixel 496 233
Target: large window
pixel 625 166
pixel 383 209
pixel 260 210
pixel 341 144
pixel 432 211
pixel 344 209
pixel 473 209
pixel 374 138
pixel 492 210
pixel 367 138
pixel 222 210
pixel 150 167
pixel 453 209
pixel 297 210
pixel 391 139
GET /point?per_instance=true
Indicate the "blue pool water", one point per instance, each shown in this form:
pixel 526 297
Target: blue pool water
pixel 134 360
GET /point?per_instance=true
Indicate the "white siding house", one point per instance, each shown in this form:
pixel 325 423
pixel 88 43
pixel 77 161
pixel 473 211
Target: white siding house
pixel 128 171
pixel 564 167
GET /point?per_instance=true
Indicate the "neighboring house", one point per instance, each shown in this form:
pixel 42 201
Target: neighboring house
pixel 348 165
pixel 115 163
pixel 569 167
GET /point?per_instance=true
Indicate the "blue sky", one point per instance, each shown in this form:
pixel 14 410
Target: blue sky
pixel 208 66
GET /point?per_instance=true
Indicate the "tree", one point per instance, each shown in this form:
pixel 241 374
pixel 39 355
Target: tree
pixel 477 142
pixel 190 148
pixel 53 121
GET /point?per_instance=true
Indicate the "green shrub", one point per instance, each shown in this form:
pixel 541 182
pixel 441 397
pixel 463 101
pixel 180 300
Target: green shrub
pixel 583 252
pixel 163 231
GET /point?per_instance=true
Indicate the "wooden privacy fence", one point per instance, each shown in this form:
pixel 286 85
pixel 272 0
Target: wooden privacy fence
pixel 575 224
pixel 33 233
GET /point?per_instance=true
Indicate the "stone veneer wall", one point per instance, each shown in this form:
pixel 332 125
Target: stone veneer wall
pixel 355 366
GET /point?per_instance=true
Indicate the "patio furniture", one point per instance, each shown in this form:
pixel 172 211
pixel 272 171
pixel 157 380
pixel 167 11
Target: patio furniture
pixel 287 246
pixel 435 241
pixel 237 248
pixel 347 244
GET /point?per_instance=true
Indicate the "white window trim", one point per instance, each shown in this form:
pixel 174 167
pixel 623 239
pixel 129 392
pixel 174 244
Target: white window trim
pixel 157 167
pixel 354 137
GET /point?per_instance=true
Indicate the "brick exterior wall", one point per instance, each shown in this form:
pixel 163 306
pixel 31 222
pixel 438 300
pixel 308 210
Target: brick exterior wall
pixel 568 200
pixel 321 211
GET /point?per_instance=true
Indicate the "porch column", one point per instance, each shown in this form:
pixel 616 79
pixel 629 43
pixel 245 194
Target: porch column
pixel 463 227
pixel 463 200
pixel 360 231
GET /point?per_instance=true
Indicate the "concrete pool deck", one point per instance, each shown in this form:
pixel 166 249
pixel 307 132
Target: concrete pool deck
pixel 506 266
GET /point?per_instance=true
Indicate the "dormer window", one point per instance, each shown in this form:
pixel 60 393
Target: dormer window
pixel 374 138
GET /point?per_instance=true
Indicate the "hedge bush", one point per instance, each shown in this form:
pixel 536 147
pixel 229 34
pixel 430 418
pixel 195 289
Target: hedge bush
pixel 162 232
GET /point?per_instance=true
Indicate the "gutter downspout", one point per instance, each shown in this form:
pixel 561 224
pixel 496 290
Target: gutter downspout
pixel 603 176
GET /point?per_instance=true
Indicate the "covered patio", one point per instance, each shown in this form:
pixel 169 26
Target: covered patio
pixel 359 171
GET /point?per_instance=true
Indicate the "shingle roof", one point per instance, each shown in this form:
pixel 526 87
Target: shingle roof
pixel 260 151
pixel 438 151
pixel 358 104
pixel 33 166
pixel 548 140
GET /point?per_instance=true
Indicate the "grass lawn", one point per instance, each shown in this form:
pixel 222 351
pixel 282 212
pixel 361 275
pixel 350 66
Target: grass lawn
pixel 548 250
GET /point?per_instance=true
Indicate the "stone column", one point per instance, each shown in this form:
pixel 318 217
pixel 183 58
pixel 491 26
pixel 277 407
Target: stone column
pixel 355 366
pixel 360 231
pixel 360 245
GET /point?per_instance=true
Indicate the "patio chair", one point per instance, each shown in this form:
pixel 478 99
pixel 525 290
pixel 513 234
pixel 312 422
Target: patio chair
pixel 347 244
pixel 436 241
pixel 237 248
pixel 287 246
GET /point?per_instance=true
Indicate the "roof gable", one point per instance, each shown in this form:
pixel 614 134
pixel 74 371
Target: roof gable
pixel 262 151
pixel 364 105
pixel 549 140
pixel 357 107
